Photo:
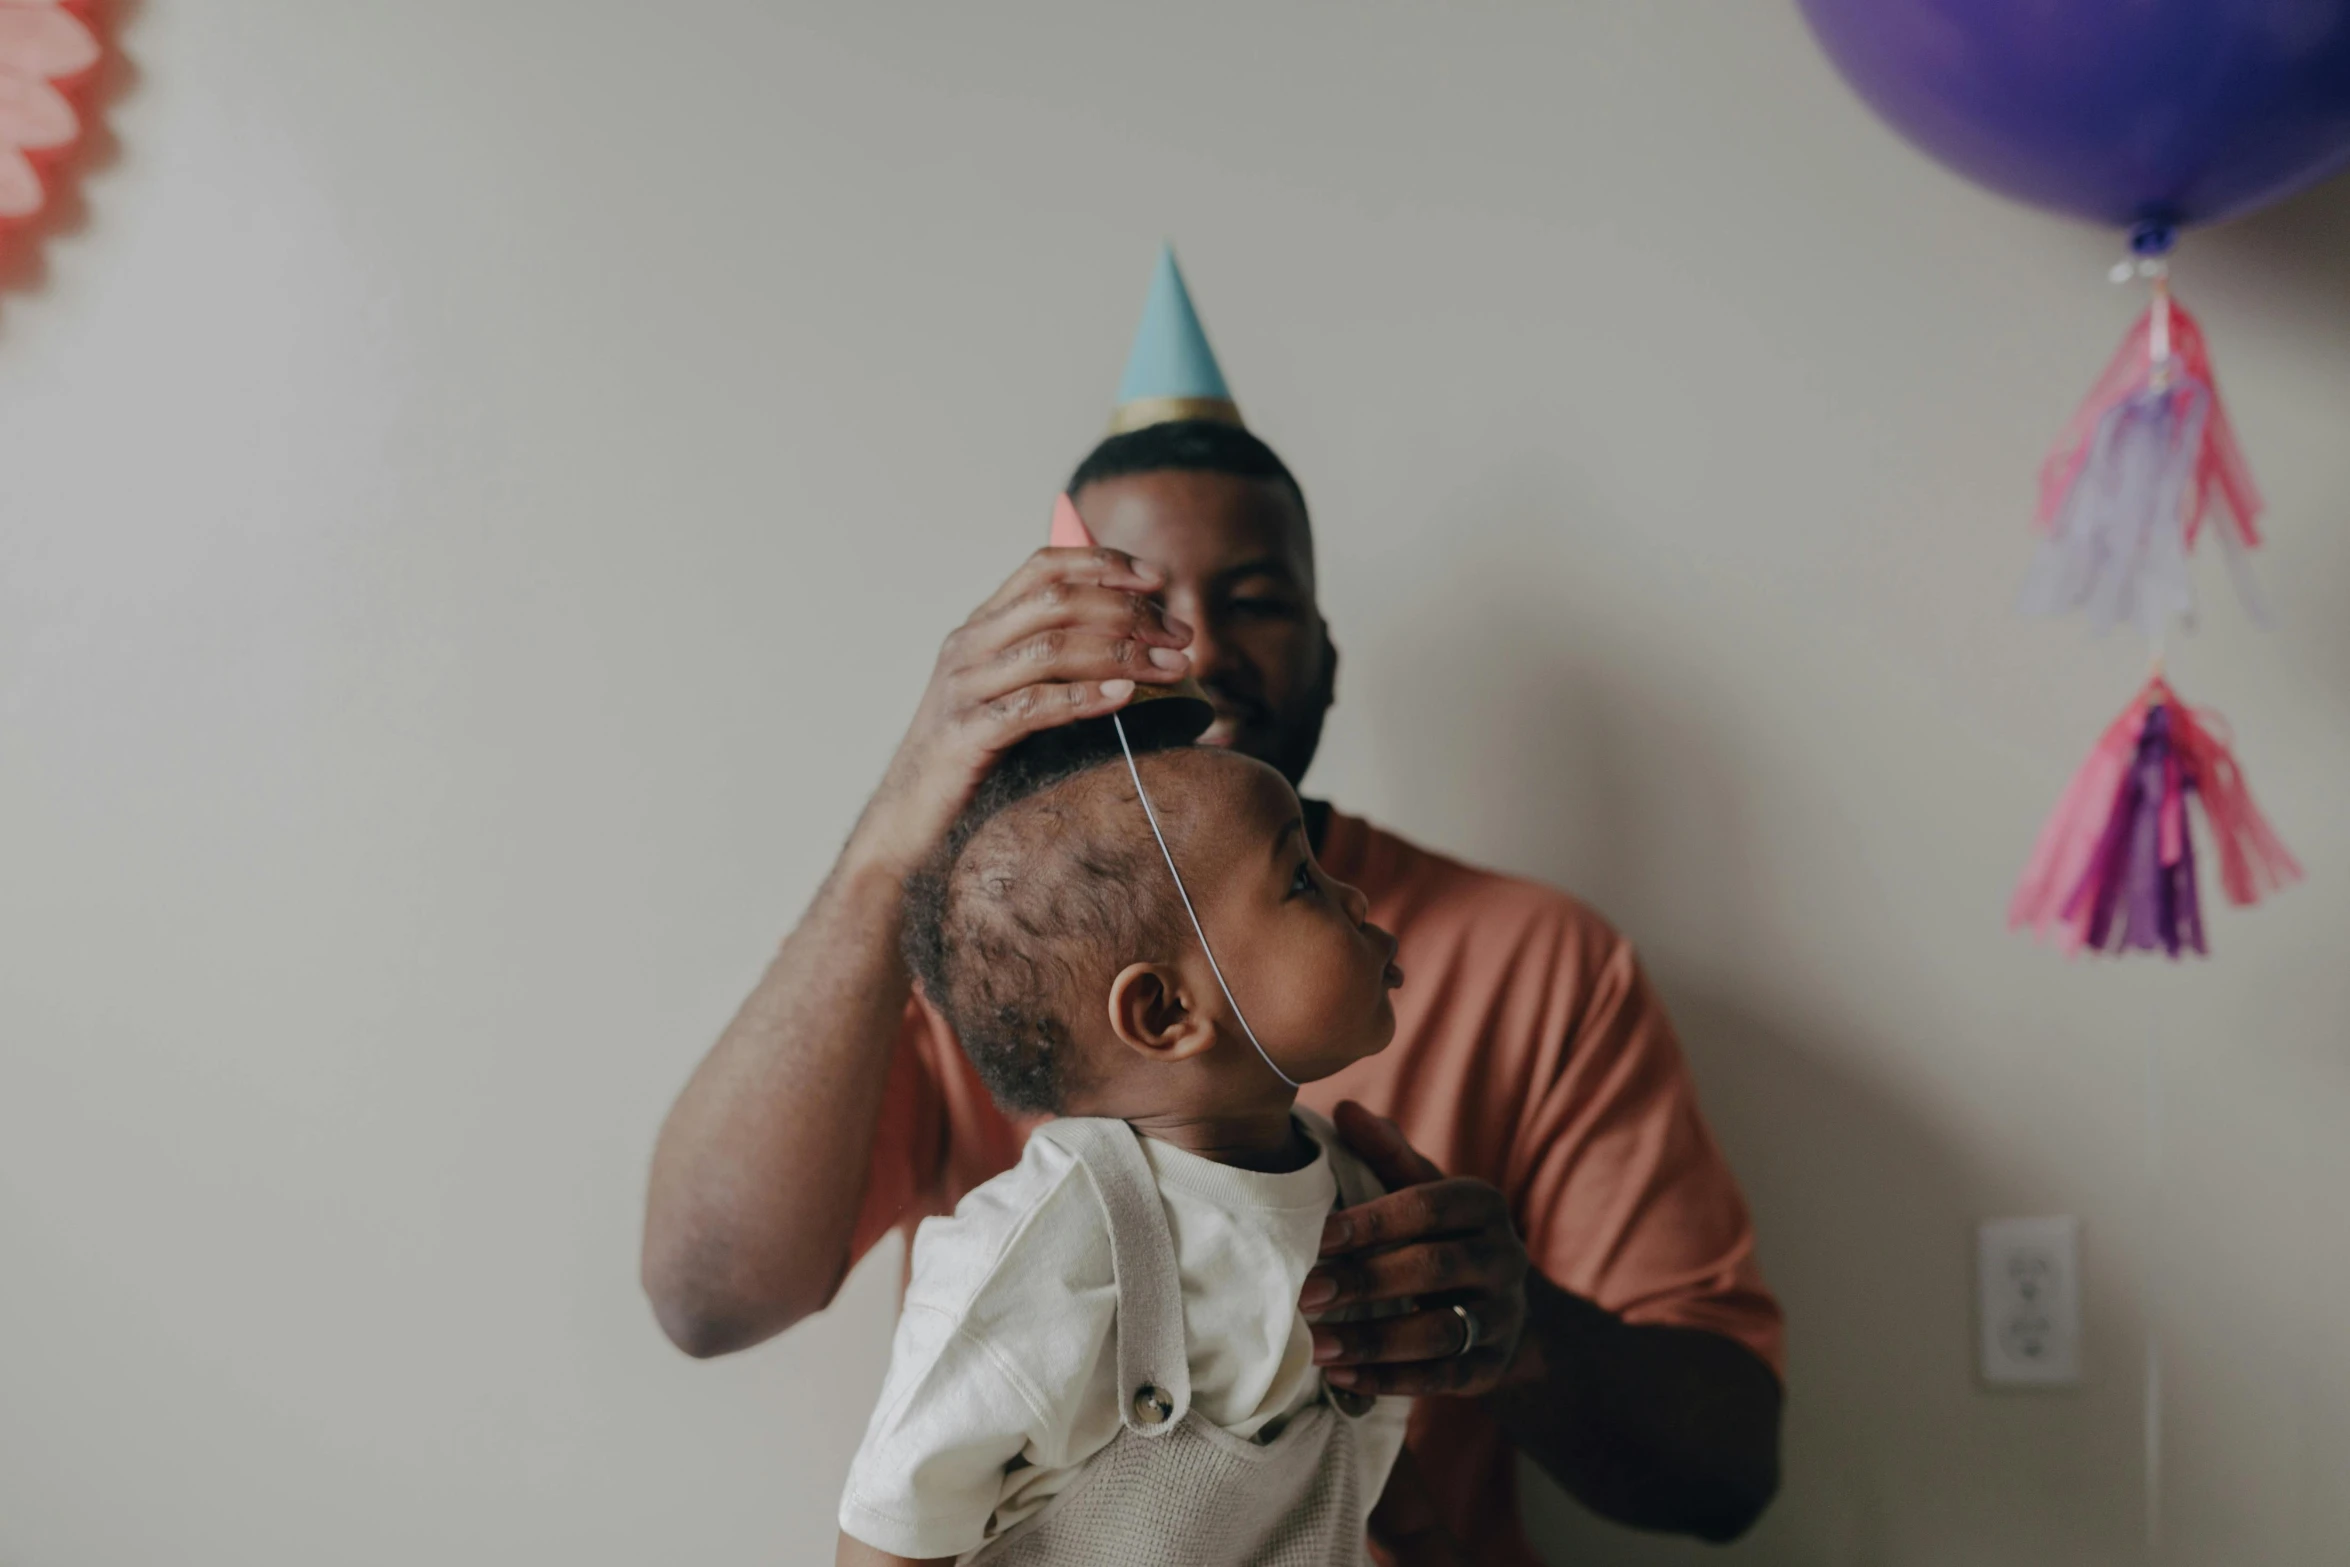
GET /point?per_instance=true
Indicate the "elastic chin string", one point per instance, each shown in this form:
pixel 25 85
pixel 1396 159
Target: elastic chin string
pixel 1214 968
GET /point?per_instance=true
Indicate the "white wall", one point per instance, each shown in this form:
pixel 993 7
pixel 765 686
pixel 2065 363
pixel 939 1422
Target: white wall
pixel 480 490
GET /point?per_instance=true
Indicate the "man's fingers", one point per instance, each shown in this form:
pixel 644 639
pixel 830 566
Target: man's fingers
pixel 1059 657
pixel 1380 1144
pixel 1010 719
pixel 1057 602
pixel 1460 1376
pixel 1434 1332
pixel 1434 1267
pixel 1419 1335
pixel 1098 566
pixel 1454 1207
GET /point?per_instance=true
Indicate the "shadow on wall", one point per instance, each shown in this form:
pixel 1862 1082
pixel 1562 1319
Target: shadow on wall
pixel 24 266
pixel 1603 769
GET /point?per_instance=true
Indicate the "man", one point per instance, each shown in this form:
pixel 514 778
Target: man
pixel 1580 1256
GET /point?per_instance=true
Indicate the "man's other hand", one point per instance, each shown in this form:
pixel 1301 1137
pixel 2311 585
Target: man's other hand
pixel 1440 1243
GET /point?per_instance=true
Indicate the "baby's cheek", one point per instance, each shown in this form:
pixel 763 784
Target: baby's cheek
pixel 1328 997
pixel 1288 998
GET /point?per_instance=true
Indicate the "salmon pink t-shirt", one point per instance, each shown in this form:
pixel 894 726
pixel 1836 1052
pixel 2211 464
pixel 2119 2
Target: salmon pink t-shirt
pixel 1530 1052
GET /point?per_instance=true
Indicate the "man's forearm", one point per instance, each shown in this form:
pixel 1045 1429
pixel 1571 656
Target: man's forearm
pixel 1665 1428
pixel 761 1164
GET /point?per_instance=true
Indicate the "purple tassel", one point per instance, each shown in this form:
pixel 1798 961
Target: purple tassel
pixel 2136 896
pixel 2182 880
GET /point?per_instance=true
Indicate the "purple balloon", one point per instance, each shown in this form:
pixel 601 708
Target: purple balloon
pixel 2150 114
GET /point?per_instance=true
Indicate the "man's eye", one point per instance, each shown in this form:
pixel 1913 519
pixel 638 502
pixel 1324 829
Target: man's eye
pixel 1261 606
pixel 1303 882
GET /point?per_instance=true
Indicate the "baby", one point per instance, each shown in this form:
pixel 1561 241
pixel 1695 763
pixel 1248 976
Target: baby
pixel 1101 1357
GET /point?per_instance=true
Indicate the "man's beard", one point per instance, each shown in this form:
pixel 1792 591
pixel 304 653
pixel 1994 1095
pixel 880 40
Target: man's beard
pixel 1284 741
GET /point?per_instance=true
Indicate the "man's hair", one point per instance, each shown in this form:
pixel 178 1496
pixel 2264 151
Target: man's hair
pixel 1038 888
pixel 1186 446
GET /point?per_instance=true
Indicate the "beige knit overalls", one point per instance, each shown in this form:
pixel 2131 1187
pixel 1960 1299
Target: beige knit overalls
pixel 1172 1489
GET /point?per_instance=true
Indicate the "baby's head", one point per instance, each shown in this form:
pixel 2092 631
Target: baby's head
pixel 1048 933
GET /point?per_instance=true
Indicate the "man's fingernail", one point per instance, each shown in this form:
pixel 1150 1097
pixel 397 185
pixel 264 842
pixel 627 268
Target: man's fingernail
pixel 1344 1376
pixel 1335 1230
pixel 1319 1292
pixel 1168 658
pixel 1117 690
pixel 1181 628
pixel 1325 1346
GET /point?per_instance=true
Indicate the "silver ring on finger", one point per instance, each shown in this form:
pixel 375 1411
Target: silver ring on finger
pixel 1469 1331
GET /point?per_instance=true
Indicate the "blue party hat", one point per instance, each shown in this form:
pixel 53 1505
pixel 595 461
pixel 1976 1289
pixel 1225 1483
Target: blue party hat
pixel 1171 373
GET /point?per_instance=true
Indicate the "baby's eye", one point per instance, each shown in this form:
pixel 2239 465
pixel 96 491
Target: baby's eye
pixel 1303 882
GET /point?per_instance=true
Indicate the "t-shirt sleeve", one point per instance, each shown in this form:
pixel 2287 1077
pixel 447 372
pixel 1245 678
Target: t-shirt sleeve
pixel 1624 1196
pixel 909 1143
pixel 931 1468
pixel 1010 1307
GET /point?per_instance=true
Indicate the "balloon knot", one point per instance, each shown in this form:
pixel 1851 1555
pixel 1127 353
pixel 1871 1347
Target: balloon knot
pixel 2153 238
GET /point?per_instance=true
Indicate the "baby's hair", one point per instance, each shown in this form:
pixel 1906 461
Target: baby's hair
pixel 1047 879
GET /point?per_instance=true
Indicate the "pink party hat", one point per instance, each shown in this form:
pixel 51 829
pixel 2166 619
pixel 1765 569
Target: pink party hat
pixel 1069 530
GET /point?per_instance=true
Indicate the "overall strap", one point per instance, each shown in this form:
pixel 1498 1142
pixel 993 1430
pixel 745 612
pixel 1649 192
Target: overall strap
pixel 1154 1375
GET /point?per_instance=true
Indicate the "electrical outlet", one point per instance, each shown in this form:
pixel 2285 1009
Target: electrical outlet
pixel 2028 1300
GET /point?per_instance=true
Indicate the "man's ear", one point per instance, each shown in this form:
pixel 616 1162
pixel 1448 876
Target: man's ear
pixel 1150 1013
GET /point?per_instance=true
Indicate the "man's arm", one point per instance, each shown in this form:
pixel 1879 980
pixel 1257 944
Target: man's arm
pixel 762 1163
pixel 1658 1427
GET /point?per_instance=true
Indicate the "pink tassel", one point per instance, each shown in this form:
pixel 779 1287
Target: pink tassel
pixel 2114 867
pixel 2221 475
pixel 2253 861
pixel 2070 838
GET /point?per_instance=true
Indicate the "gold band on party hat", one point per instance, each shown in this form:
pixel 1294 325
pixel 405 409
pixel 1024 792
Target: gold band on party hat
pixel 1171 372
pixel 1144 412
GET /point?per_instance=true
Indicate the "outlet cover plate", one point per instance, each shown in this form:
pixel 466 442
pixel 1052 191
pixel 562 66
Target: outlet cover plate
pixel 2028 1301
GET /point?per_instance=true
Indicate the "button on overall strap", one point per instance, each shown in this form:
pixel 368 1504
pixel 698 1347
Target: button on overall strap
pixel 1154 1373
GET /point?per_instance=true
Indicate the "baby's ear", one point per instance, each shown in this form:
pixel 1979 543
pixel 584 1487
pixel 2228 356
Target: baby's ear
pixel 1150 1013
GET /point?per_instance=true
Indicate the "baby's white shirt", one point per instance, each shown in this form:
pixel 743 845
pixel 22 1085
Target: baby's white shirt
pixel 1003 1379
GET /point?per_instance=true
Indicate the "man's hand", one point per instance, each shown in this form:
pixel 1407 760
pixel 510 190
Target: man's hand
pixel 1658 1427
pixel 1067 637
pixel 1440 1243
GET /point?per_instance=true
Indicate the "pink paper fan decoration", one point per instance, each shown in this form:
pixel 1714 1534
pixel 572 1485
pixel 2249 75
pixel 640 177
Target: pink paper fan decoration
pixel 46 49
